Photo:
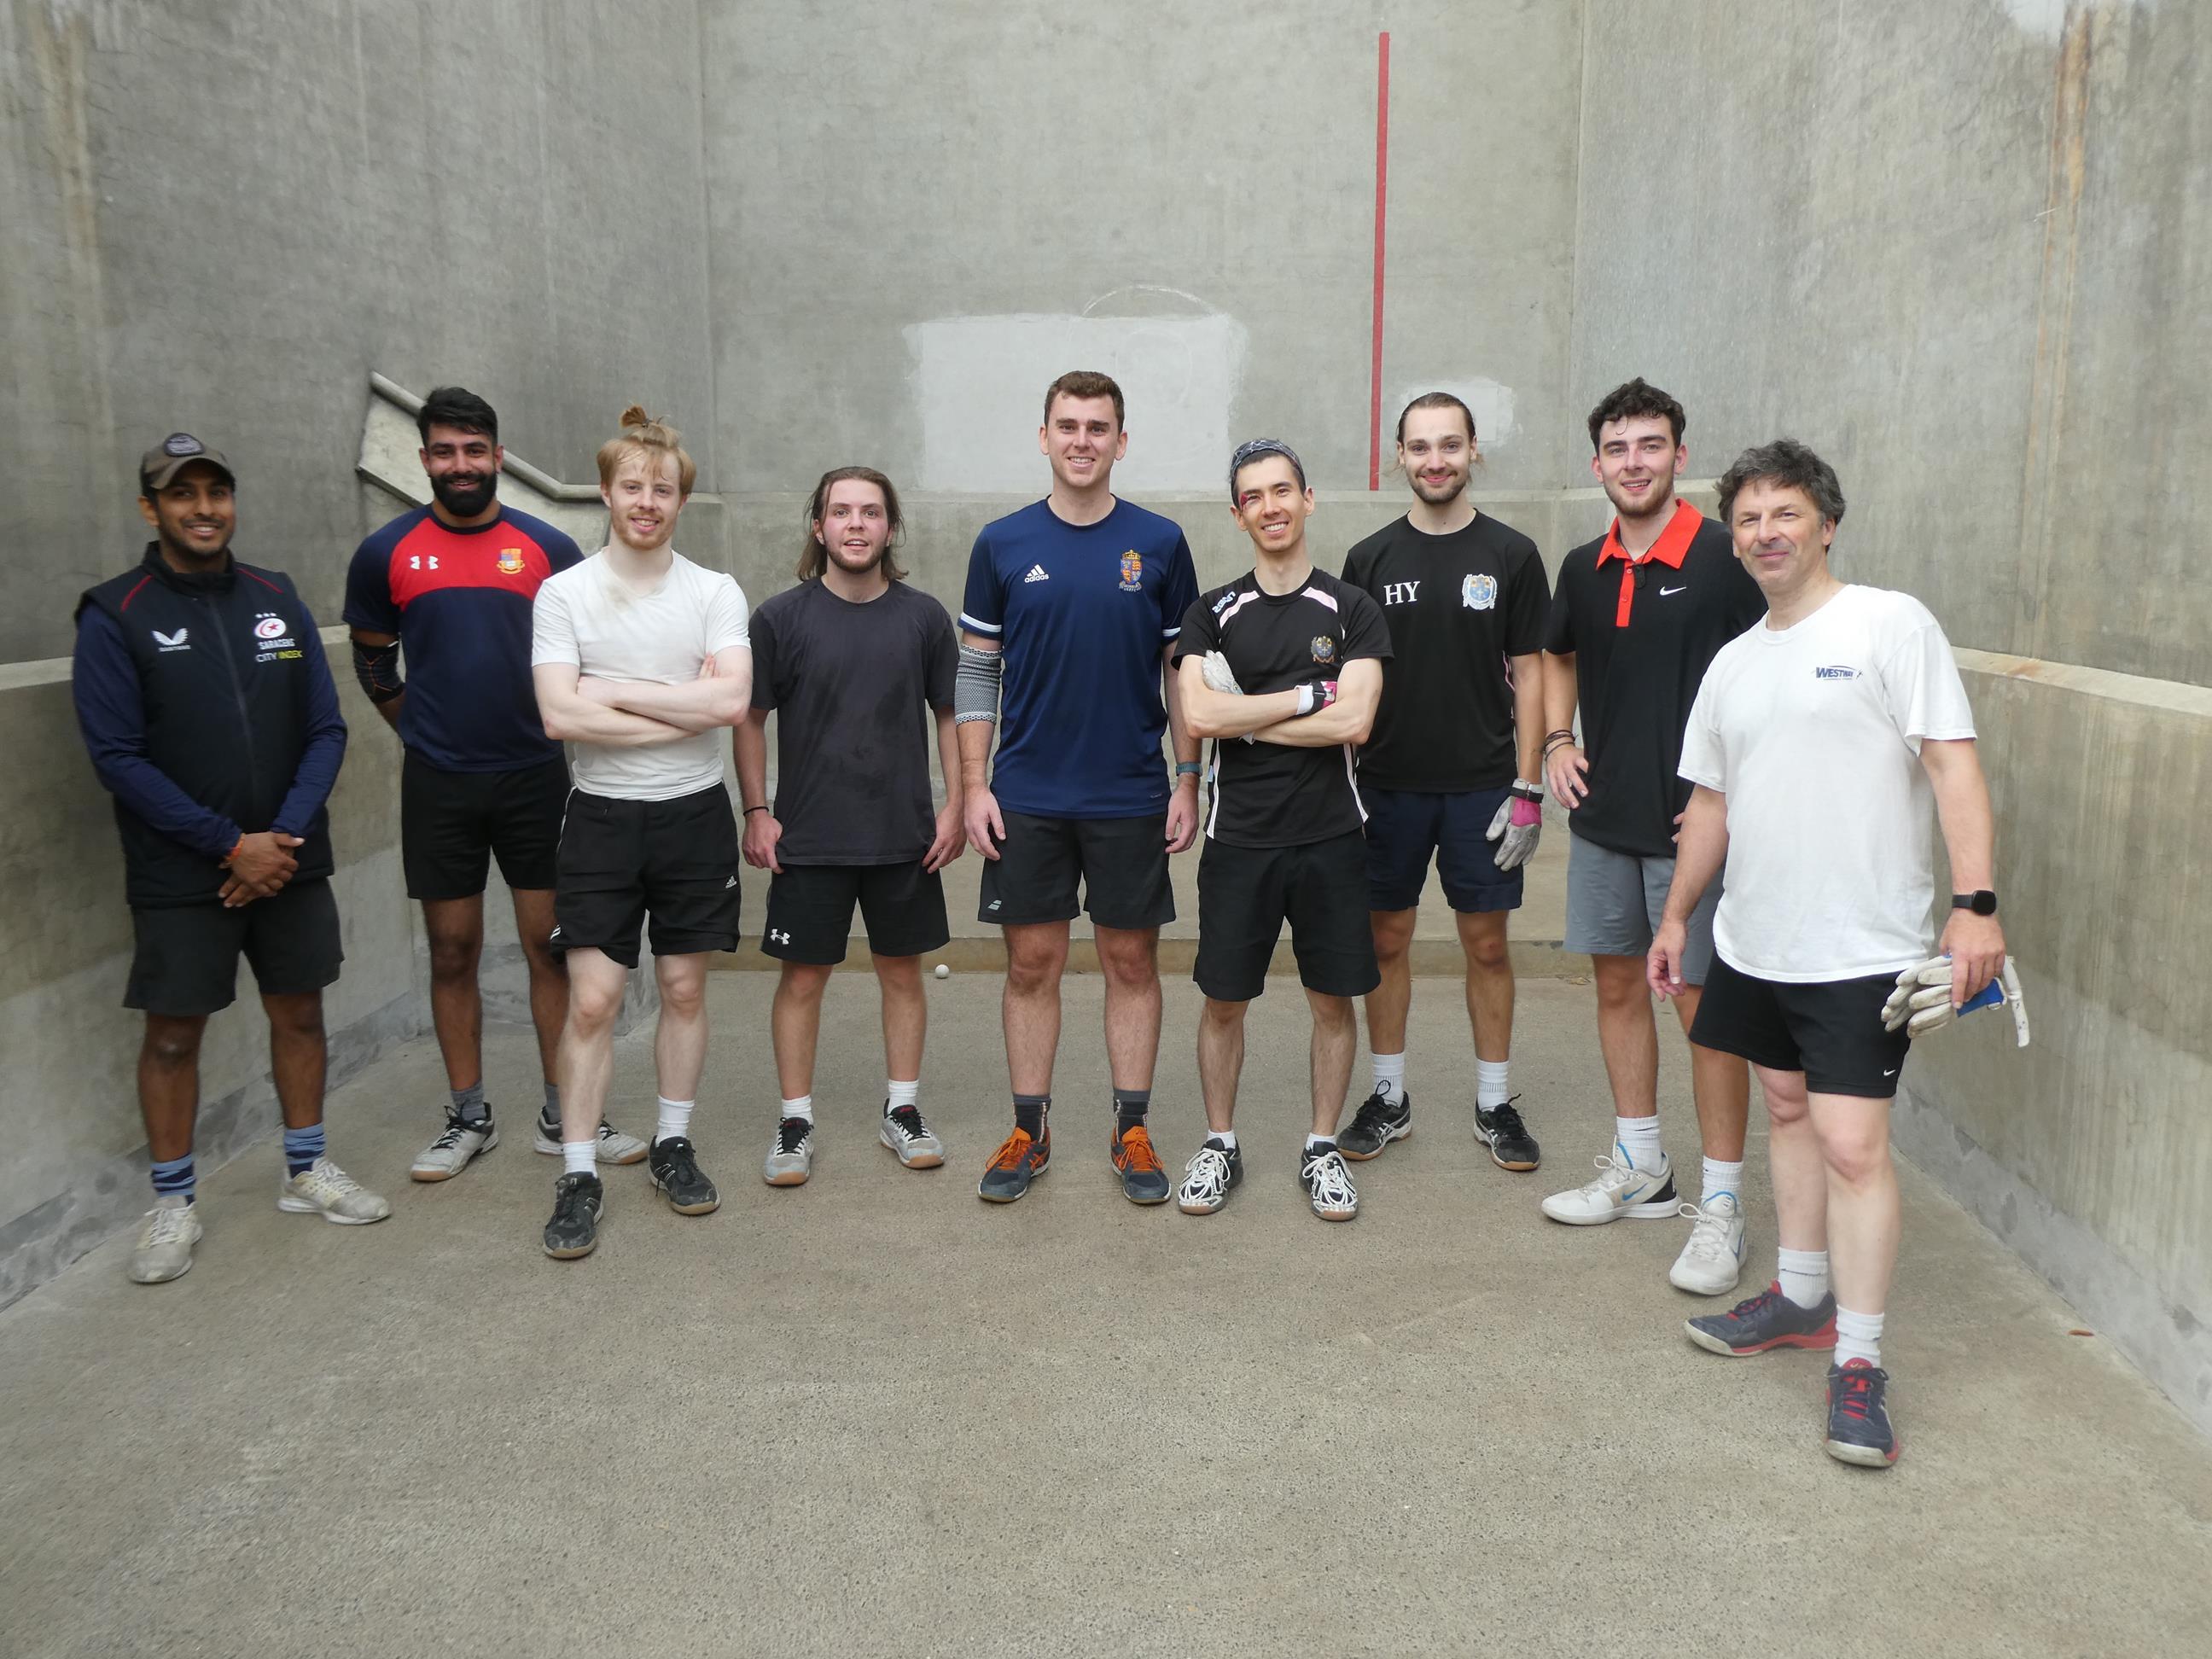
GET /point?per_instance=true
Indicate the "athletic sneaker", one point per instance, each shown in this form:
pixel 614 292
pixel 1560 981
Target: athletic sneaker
pixel 1144 1177
pixel 1375 1126
pixel 1620 1189
pixel 1859 1429
pixel 1769 1320
pixel 449 1154
pixel 164 1250
pixel 323 1189
pixel 1019 1161
pixel 574 1229
pixel 1511 1146
pixel 791 1155
pixel 674 1170
pixel 614 1146
pixel 1328 1184
pixel 1213 1171
pixel 1713 1261
pixel 912 1140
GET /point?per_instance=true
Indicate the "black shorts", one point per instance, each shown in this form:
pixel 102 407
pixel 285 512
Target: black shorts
pixel 1245 894
pixel 1122 864
pixel 810 911
pixel 1831 1031
pixel 452 824
pixel 1405 826
pixel 187 960
pixel 622 861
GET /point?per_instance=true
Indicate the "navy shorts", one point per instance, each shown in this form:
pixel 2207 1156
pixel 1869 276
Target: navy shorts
pixel 1405 827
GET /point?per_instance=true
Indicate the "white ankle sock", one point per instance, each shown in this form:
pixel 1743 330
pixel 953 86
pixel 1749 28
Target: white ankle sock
pixel 1802 1274
pixel 1491 1090
pixel 1313 1141
pixel 1858 1336
pixel 1722 1178
pixel 1640 1137
pixel 1390 1077
pixel 675 1119
pixel 897 1094
pixel 580 1156
pixel 801 1106
pixel 1226 1137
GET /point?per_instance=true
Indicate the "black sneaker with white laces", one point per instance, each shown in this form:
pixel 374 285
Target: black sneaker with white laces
pixel 1376 1123
pixel 1511 1145
pixel 574 1229
pixel 674 1166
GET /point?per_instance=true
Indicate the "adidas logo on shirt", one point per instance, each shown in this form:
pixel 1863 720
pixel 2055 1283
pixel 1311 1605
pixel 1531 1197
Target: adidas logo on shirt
pixel 1037 574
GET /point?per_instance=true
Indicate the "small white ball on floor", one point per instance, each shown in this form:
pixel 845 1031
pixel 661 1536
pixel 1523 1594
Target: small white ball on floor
pixel 944 972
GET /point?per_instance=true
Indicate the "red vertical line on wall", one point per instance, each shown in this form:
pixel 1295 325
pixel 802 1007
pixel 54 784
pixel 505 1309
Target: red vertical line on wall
pixel 1382 203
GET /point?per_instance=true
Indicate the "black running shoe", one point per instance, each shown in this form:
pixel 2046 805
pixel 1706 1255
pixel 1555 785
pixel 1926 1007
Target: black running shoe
pixel 1767 1321
pixel 675 1168
pixel 1375 1126
pixel 1511 1145
pixel 574 1229
pixel 1859 1431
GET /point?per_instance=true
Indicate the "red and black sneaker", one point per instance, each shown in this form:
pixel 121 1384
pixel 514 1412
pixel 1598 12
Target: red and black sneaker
pixel 1769 1320
pixel 1859 1431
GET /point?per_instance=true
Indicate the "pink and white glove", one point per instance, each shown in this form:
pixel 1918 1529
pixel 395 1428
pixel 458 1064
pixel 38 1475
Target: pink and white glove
pixel 1518 824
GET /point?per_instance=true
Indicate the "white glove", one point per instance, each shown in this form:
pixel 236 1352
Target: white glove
pixel 1922 1002
pixel 1518 824
pixel 1214 669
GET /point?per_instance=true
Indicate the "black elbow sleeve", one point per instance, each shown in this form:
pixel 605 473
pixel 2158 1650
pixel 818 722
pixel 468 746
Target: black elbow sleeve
pixel 377 668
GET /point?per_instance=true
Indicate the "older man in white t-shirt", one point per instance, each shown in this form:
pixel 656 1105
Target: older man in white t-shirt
pixel 640 660
pixel 1818 742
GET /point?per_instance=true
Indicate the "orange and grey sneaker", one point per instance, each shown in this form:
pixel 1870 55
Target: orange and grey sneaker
pixel 1144 1177
pixel 1020 1159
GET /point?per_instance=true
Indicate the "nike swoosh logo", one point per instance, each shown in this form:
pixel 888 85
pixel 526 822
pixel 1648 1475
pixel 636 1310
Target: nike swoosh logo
pixel 1665 593
pixel 1892 1072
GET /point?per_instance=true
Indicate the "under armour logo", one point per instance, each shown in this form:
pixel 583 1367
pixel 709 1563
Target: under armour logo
pixel 776 938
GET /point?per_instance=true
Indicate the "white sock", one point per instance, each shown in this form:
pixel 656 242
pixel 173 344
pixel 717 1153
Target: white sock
pixel 580 1156
pixel 1313 1141
pixel 1722 1178
pixel 1858 1336
pixel 1639 1136
pixel 1228 1137
pixel 803 1106
pixel 675 1119
pixel 897 1094
pixel 1490 1087
pixel 1390 1077
pixel 1802 1274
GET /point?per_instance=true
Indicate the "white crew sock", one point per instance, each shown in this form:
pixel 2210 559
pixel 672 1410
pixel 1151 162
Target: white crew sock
pixel 675 1119
pixel 1639 1138
pixel 1490 1086
pixel 1228 1137
pixel 1802 1274
pixel 803 1106
pixel 897 1094
pixel 1722 1178
pixel 1313 1141
pixel 1858 1336
pixel 580 1156
pixel 1390 1077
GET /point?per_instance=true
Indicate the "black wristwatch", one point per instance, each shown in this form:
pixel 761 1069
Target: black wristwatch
pixel 1981 902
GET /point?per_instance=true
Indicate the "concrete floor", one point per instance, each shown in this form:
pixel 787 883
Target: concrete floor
pixel 872 1415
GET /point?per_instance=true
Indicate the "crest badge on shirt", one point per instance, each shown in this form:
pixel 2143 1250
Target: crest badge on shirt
pixel 510 562
pixel 1132 571
pixel 1478 592
pixel 1324 649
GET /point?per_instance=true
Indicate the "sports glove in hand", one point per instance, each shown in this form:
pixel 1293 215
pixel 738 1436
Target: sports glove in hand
pixel 1921 1004
pixel 1519 822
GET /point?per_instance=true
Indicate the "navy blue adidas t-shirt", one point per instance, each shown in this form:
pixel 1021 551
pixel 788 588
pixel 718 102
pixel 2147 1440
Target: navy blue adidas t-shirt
pixel 1082 613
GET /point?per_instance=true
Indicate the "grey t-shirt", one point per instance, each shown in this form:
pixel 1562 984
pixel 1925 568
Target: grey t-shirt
pixel 853 686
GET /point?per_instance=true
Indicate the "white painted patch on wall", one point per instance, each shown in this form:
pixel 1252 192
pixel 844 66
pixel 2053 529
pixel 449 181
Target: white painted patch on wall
pixel 1493 405
pixel 979 383
pixel 2046 19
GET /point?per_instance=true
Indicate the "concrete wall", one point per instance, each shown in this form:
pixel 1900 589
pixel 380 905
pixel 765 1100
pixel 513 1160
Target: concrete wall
pixel 222 214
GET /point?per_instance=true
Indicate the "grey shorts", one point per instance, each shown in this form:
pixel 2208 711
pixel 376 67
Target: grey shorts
pixel 1616 899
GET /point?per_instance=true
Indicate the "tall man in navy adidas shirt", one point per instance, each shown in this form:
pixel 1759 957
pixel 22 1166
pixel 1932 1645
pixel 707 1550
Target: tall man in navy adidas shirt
pixel 1071 606
pixel 452 585
pixel 209 714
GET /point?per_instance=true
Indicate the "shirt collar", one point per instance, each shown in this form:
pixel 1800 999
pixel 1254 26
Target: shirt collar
pixel 1674 542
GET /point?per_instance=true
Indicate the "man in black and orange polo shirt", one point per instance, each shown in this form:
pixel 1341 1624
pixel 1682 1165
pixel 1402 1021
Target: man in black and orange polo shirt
pixel 1636 617
pixel 452 585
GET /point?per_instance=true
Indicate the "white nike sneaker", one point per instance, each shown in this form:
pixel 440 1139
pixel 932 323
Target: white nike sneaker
pixel 1620 1189
pixel 461 1139
pixel 164 1250
pixel 1713 1261
pixel 323 1189
pixel 614 1146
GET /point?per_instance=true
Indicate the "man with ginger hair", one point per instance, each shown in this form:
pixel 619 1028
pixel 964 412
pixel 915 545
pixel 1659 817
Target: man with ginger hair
pixel 640 658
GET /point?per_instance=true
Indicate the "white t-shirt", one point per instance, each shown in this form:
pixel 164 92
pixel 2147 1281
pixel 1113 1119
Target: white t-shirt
pixel 1813 733
pixel 587 616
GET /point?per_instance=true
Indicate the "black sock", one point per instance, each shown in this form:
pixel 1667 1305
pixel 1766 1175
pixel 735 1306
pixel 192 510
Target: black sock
pixel 1130 1106
pixel 1028 1114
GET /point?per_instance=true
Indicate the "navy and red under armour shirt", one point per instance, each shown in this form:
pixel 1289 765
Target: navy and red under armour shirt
pixel 459 601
